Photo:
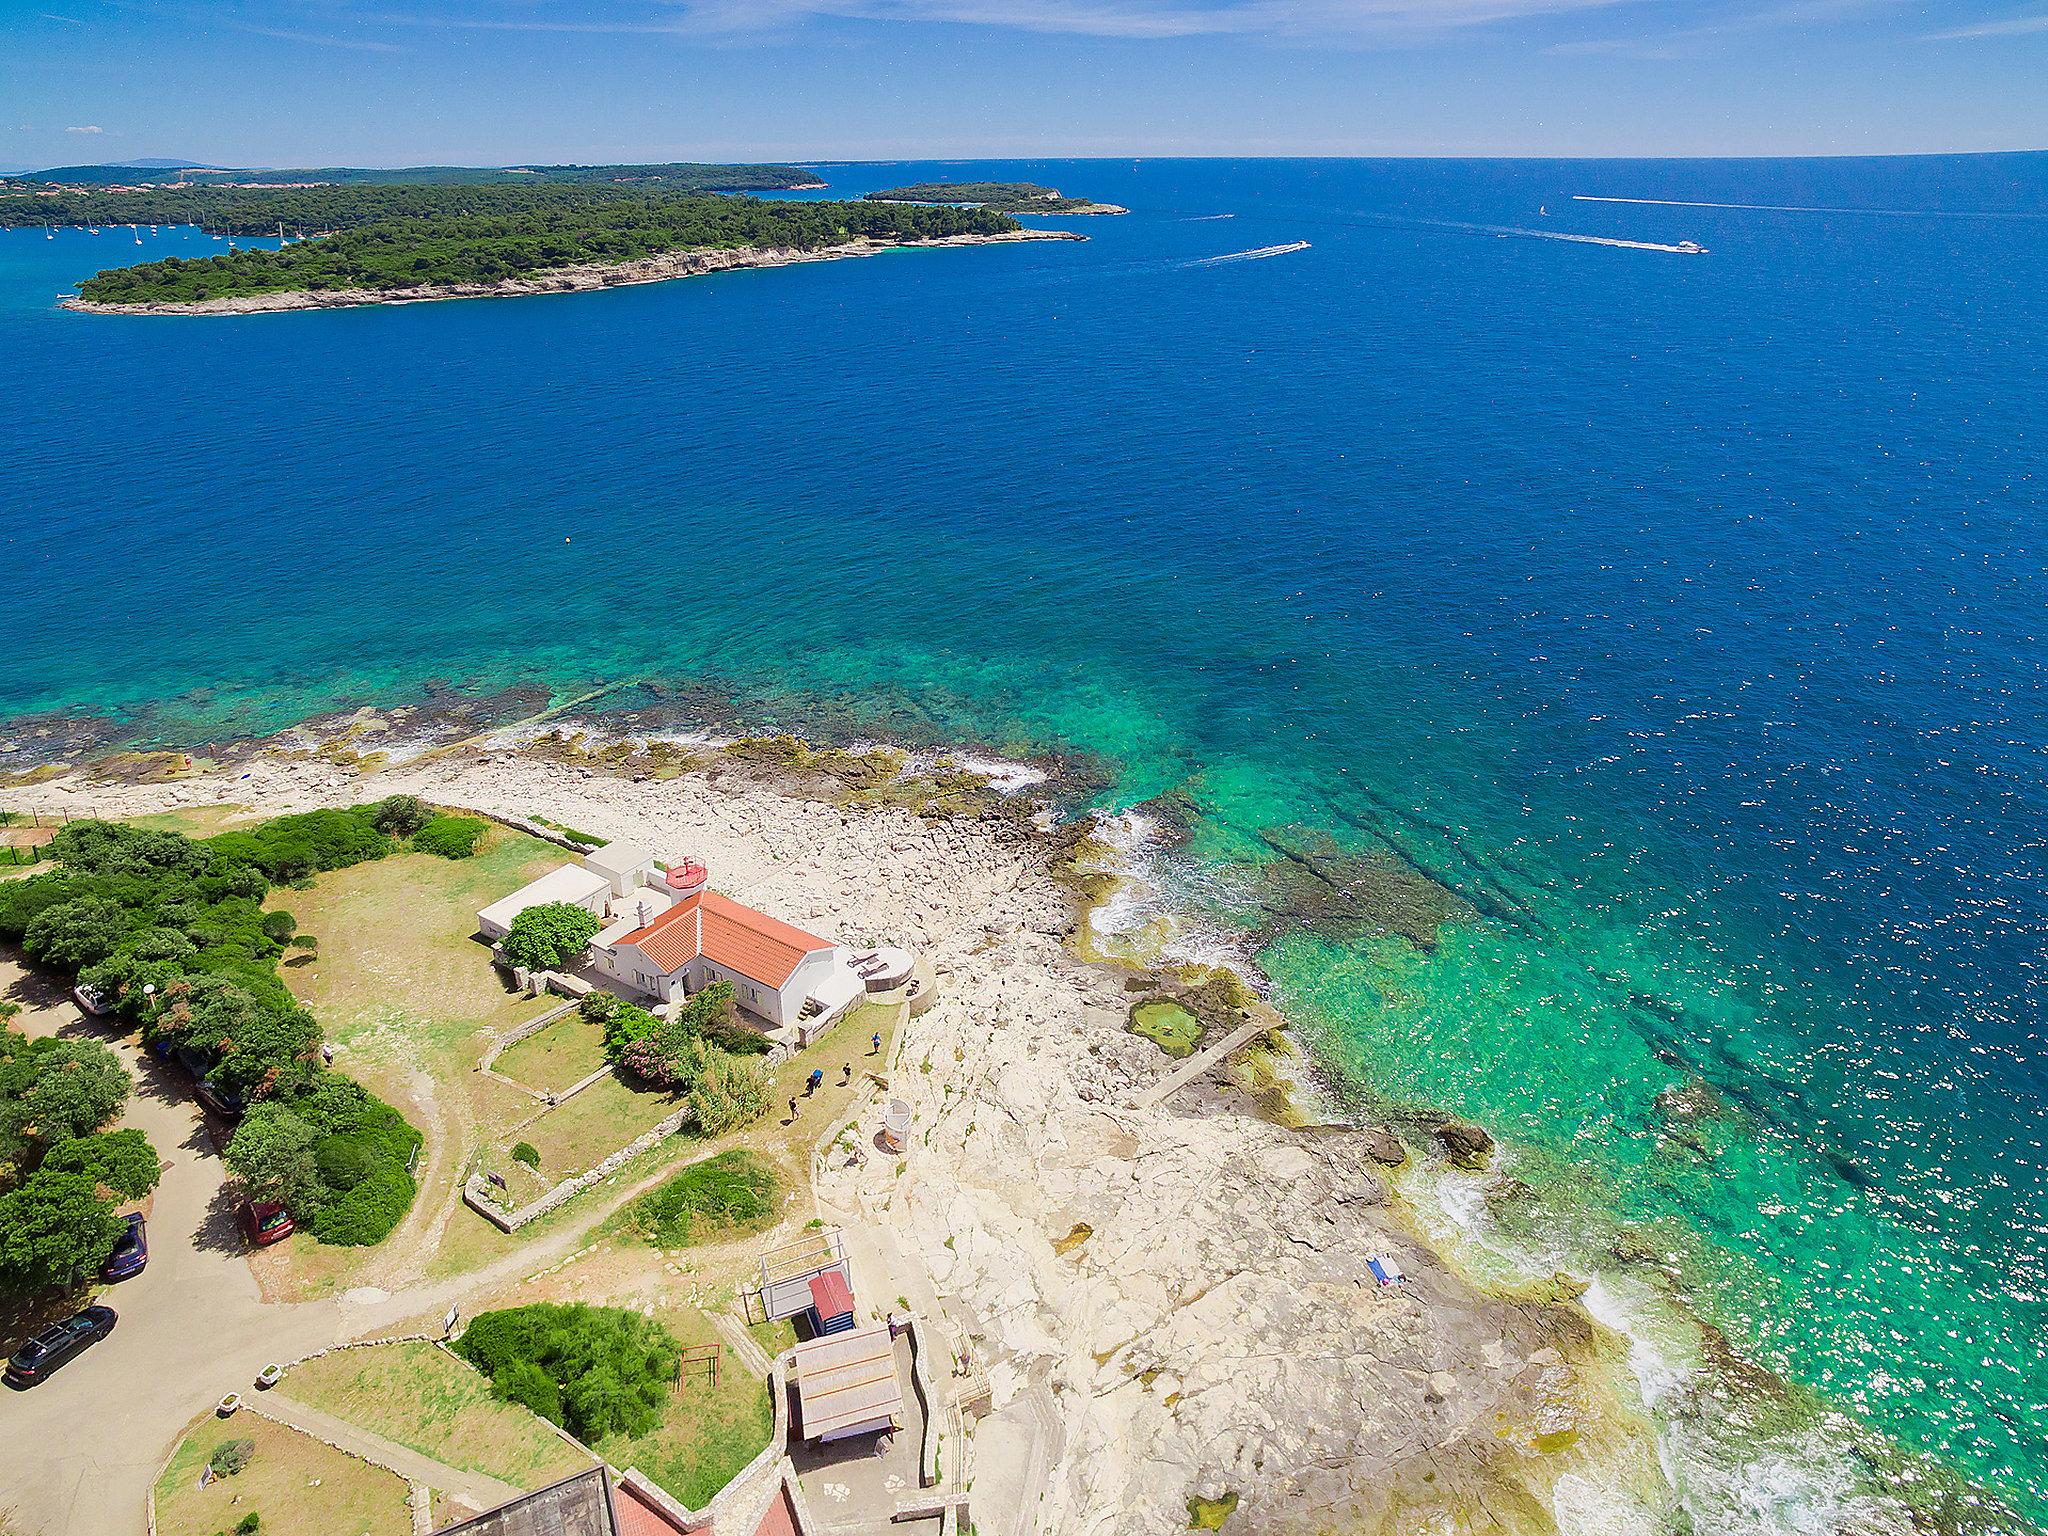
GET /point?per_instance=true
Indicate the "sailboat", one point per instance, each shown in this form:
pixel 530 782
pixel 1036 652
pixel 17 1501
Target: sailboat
pixel 1542 212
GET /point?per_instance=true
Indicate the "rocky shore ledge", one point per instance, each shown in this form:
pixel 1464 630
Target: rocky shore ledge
pixel 663 268
pixel 1170 1301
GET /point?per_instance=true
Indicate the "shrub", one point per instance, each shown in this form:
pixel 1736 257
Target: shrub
pixel 526 1152
pixel 400 815
pixel 230 1456
pixel 542 937
pixel 522 1381
pixel 291 848
pixel 730 1193
pixel 367 1213
pixel 613 1369
pixel 729 1092
pixel 450 837
pixel 249 1524
pixel 279 927
pixel 599 1007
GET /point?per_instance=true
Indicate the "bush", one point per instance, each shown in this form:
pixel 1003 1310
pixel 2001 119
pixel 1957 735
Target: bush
pixel 230 1456
pixel 450 837
pixel 542 937
pixel 613 1370
pixel 367 1213
pixel 526 1152
pixel 292 848
pixel 249 1524
pixel 731 1193
pixel 279 927
pixel 729 1092
pixel 400 815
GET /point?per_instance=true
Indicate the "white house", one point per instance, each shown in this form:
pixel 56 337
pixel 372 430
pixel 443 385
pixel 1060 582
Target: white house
pixel 679 940
pixel 572 883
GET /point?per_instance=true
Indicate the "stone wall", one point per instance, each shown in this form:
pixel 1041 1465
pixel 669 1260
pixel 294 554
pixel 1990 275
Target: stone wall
pixel 477 1191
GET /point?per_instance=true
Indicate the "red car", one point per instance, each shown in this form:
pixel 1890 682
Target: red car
pixel 265 1222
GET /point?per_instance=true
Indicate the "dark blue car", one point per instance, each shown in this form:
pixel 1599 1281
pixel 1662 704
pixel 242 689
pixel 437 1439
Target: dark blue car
pixel 131 1250
pixel 41 1355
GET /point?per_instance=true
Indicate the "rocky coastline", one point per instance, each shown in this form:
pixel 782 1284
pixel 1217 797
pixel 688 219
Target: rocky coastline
pixel 1170 1300
pixel 581 278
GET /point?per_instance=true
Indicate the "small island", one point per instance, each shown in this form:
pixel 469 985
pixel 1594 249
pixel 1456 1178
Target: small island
pixel 1012 197
pixel 395 244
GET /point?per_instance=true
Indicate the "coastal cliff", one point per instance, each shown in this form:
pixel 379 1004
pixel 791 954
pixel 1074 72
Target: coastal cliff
pixel 580 278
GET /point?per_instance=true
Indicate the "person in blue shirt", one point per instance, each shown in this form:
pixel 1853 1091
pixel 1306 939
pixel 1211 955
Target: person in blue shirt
pixel 817 1077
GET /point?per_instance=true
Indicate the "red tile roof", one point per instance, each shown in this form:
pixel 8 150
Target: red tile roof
pixel 779 1518
pixel 641 1516
pixel 728 934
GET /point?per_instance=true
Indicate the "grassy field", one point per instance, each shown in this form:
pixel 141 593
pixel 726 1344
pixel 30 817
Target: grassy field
pixel 409 997
pixel 297 1485
pixel 566 1052
pixel 710 1432
pixel 725 1196
pixel 422 1398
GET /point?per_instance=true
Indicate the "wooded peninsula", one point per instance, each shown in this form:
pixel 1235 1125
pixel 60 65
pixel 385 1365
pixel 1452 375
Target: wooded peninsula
pixel 406 239
pixel 1001 196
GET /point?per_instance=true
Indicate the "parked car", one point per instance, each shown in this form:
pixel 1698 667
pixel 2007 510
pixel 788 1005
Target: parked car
pixel 131 1250
pixel 49 1349
pixel 265 1222
pixel 224 1102
pixel 93 1001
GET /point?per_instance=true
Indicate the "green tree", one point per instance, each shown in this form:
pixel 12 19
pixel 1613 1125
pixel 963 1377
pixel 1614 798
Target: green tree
pixel 53 1229
pixel 545 936
pixel 74 934
pixel 400 815
pixel 77 1087
pixel 272 1157
pixel 121 1161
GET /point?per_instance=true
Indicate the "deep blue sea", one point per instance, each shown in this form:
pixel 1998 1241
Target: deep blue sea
pixel 1654 639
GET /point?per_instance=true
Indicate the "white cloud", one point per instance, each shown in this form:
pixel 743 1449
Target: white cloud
pixel 2017 26
pixel 1089 18
pixel 88 128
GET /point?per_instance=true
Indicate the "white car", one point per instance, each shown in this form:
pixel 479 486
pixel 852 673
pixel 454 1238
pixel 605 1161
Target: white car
pixel 95 1003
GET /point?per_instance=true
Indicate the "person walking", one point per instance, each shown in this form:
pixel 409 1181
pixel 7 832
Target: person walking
pixel 814 1081
pixel 845 1073
pixel 875 1045
pixel 792 1109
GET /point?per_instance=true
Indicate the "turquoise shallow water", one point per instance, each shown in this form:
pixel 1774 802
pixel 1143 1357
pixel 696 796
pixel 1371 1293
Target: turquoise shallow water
pixel 1679 614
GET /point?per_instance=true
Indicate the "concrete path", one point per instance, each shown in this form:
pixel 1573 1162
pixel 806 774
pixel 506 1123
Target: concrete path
pixel 1197 1064
pixel 476 1488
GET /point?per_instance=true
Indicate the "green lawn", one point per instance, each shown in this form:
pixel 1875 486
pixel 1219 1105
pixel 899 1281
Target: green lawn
pixel 417 1395
pixel 565 1052
pixel 298 1486
pixel 597 1122
pixel 710 1432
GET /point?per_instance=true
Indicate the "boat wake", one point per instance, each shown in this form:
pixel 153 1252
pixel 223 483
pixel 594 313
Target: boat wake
pixel 1260 254
pixel 1682 248
pixel 1882 213
pixel 1208 218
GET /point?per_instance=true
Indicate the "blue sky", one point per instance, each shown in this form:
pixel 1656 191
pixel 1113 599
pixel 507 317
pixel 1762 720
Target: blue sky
pixel 380 82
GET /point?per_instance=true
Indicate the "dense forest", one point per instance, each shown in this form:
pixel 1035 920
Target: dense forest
pixel 300 210
pixel 522 237
pixel 673 177
pixel 1003 196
